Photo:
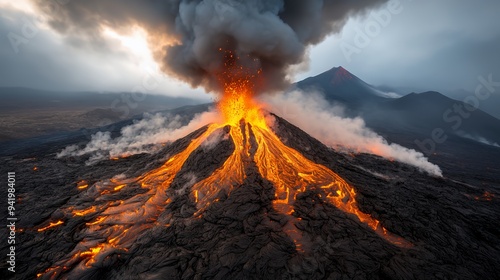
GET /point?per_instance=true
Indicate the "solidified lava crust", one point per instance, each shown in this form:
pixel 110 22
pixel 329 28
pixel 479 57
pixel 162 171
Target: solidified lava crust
pixel 241 235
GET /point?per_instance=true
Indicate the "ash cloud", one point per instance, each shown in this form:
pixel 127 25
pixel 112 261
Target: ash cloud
pixel 317 117
pixel 186 35
pixel 144 136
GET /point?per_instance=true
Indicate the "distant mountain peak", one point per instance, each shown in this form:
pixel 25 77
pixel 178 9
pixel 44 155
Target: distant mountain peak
pixel 340 85
pixel 340 75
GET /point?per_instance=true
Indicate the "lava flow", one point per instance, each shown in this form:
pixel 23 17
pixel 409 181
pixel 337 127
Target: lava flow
pixel 114 227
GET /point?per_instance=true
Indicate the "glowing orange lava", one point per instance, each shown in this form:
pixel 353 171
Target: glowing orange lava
pixel 289 171
pixel 119 224
pixel 84 212
pixel 51 225
pixel 82 185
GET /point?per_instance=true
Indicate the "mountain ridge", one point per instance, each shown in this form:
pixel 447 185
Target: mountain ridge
pixel 338 84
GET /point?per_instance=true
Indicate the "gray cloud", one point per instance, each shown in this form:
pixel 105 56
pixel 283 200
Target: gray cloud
pixel 43 59
pixel 429 45
pixel 187 35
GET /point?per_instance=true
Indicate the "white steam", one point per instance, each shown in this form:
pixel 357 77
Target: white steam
pixel 313 114
pixel 479 139
pixel 144 136
pixel 213 139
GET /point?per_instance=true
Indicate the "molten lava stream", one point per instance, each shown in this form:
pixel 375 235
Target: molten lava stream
pixel 51 225
pixel 286 168
pixel 231 174
pixel 121 224
pixel 291 173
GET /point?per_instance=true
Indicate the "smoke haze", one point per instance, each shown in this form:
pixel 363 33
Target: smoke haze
pixel 309 111
pixel 144 136
pixel 313 114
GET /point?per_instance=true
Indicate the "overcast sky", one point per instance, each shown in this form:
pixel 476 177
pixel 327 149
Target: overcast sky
pixel 426 44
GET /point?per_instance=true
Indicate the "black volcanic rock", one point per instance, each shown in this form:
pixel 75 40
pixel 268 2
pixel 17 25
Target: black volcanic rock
pixel 453 227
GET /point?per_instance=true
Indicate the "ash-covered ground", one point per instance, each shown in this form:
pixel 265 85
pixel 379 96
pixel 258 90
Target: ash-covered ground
pixel 453 227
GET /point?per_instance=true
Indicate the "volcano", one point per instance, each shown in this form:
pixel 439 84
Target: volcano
pixel 248 196
pixel 236 191
pixel 253 197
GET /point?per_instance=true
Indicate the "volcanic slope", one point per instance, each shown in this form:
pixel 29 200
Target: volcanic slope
pixel 203 208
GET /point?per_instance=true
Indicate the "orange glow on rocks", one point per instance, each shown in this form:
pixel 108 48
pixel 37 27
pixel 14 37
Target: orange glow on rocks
pixel 289 171
pixel 51 225
pixel 119 187
pixel 84 212
pixel 255 143
pixel 82 185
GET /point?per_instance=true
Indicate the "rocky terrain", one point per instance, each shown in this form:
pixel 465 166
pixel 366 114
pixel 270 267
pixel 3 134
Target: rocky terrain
pixel 452 228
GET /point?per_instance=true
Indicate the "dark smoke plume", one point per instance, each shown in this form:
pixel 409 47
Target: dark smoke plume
pixel 187 35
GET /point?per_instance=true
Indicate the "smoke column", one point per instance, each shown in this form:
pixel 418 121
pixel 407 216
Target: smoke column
pixel 186 36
